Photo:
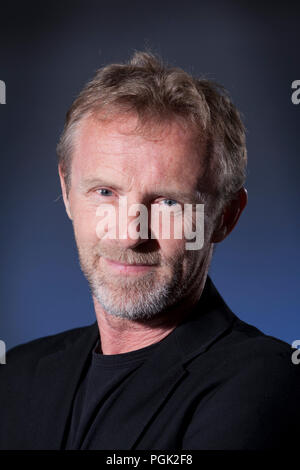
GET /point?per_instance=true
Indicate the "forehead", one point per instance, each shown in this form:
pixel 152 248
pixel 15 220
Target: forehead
pixel 164 152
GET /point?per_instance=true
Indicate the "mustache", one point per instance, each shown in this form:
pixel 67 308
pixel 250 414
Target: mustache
pixel 129 256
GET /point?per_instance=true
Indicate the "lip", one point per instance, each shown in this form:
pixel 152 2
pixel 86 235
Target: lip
pixel 129 268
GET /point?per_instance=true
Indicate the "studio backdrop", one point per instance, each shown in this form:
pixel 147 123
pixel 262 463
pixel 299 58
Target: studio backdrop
pixel 48 51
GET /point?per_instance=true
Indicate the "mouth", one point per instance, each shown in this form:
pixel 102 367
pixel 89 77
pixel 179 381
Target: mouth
pixel 123 268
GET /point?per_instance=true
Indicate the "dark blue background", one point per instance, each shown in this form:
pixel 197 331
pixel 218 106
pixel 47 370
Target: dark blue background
pixel 49 50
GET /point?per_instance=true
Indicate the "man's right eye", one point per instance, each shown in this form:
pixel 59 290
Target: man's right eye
pixel 104 192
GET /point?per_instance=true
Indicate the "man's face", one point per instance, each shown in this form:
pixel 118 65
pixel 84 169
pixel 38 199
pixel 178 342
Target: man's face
pixel 111 160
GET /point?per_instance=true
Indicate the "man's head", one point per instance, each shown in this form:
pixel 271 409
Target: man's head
pixel 155 135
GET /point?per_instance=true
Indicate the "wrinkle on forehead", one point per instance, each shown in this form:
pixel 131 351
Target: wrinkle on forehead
pixel 155 129
pixel 128 163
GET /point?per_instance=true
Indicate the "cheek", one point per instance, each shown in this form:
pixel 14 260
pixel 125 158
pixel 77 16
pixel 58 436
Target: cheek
pixel 85 223
pixel 172 248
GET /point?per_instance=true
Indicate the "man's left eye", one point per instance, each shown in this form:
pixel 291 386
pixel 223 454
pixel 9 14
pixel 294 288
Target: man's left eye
pixel 170 202
pixel 104 191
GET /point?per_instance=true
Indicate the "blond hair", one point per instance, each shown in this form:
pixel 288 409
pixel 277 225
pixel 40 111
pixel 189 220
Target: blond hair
pixel 152 89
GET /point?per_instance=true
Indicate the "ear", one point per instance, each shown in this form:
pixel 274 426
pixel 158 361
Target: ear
pixel 230 215
pixel 64 192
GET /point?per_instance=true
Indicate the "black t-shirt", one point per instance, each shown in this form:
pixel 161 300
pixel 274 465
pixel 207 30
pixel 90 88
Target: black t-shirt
pixel 96 404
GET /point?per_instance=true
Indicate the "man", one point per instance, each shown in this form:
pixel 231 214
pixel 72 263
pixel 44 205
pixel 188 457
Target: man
pixel 167 365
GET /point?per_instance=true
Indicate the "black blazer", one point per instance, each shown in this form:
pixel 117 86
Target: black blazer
pixel 215 382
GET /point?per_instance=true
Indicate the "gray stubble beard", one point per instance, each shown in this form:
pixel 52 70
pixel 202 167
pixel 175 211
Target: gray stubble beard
pixel 141 298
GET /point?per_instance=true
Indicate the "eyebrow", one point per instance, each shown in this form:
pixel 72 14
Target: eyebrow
pixel 196 197
pixel 91 182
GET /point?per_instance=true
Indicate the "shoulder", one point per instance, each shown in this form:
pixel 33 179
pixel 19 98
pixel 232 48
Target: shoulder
pixel 246 365
pixel 25 356
pixel 250 389
pixel 238 342
pixel 248 351
pixel 252 345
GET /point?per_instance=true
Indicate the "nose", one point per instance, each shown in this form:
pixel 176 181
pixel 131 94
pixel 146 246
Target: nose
pixel 133 224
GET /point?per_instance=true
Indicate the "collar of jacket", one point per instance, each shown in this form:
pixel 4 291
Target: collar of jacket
pixel 57 375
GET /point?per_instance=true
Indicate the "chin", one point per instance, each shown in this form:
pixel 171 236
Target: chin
pixel 137 305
